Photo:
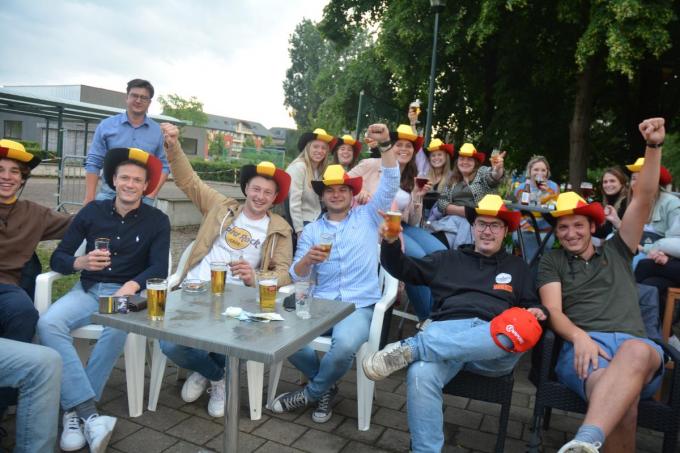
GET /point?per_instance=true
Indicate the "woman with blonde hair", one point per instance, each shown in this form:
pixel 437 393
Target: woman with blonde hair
pixel 304 204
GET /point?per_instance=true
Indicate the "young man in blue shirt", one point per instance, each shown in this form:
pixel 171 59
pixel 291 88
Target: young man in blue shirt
pixel 139 242
pixel 348 273
pixel 129 129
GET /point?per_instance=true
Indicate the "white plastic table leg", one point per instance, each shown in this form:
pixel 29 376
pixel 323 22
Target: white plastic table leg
pixel 158 362
pixel 135 350
pixel 255 373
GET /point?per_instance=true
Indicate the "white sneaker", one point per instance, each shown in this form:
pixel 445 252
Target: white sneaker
pixel 194 387
pixel 72 437
pixel 578 446
pixel 98 430
pixel 217 397
pixel 391 358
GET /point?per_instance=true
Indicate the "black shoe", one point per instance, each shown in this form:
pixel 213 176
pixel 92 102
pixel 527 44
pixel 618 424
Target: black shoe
pixel 324 407
pixel 290 401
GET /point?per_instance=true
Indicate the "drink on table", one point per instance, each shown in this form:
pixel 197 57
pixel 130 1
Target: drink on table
pixel 102 244
pixel 393 224
pixel 218 274
pixel 267 285
pixel 234 258
pixel 156 293
pixel 302 300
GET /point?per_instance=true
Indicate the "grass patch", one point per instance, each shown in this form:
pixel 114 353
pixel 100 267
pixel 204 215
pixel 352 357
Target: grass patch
pixel 62 285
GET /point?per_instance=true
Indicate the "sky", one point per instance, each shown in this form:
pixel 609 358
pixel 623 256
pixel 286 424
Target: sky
pixel 231 55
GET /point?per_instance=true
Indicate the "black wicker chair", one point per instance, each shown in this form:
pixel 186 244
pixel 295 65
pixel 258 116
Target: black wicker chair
pixel 661 416
pixel 490 389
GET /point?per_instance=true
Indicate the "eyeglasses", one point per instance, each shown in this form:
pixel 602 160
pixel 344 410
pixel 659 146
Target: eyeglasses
pixel 495 227
pixel 139 97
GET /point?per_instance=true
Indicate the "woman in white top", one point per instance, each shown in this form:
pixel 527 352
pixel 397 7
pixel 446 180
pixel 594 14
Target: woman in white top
pixel 304 204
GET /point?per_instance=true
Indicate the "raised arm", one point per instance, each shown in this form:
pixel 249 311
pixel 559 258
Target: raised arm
pixel 637 213
pixel 389 178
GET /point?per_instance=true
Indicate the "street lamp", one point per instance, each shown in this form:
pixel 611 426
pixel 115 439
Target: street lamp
pixel 436 6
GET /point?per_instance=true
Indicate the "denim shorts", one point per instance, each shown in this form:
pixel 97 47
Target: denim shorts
pixel 610 342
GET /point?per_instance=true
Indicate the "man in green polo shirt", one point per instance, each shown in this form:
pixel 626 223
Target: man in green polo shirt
pixel 592 298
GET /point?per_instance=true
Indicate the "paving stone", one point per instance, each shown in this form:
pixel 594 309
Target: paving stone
pixel 565 423
pixel 358 447
pixel 146 440
pixel 484 407
pixel 348 408
pixel 195 430
pixel 280 431
pixel 400 390
pixel 319 441
pixel 273 447
pixel 170 397
pixel 246 443
pixel 520 399
pixel 391 419
pixel 521 414
pixel 490 425
pixel 474 439
pixel 124 428
pixel 348 429
pixel 398 441
pixel 463 417
pixel 389 384
pixel 456 401
pixel 389 400
pixel 162 419
pixel 185 447
pixel 306 420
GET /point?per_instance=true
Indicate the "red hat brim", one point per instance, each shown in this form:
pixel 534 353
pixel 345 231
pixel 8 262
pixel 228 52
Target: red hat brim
pixel 665 176
pixel 280 177
pixel 354 183
pixel 114 157
pixel 357 146
pixel 511 218
pixel 594 211
pixel 446 147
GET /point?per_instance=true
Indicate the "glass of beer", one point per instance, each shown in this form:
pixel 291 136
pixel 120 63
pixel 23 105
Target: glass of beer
pixel 393 224
pixel 326 242
pixel 218 274
pixel 495 157
pixel 267 284
pixel 102 244
pixel 156 293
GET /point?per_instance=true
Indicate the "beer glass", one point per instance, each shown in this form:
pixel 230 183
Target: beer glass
pixel 267 285
pixel 102 244
pixel 218 273
pixel 326 242
pixel 234 258
pixel 303 299
pixel 156 293
pixel 393 224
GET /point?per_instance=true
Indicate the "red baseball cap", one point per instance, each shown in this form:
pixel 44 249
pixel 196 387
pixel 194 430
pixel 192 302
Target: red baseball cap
pixel 520 326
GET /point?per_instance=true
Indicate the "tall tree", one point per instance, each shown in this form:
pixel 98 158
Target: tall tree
pixel 190 110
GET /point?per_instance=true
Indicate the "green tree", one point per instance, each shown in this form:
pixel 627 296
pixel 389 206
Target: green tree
pixel 190 110
pixel 216 146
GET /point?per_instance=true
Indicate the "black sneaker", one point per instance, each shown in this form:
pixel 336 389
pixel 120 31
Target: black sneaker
pixel 290 401
pixel 324 407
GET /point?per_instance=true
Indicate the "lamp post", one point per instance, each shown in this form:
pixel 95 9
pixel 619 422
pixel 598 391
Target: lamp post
pixel 437 6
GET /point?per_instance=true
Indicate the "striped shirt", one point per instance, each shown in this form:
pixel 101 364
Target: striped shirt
pixel 350 273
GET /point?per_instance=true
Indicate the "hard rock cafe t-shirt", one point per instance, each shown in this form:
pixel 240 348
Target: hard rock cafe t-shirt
pixel 243 235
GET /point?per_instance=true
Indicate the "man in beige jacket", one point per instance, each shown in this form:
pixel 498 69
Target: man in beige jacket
pixel 260 238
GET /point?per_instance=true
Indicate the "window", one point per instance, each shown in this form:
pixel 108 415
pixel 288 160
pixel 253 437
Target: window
pixel 13 129
pixel 189 145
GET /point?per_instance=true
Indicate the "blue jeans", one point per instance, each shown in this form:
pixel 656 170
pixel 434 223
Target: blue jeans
pixel 17 322
pixel 440 352
pixel 347 337
pixel 35 371
pixel 209 364
pixel 418 243
pixel 106 193
pixel 71 312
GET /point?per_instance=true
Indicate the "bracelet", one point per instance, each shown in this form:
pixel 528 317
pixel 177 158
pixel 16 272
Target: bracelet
pixel 654 145
pixel 384 146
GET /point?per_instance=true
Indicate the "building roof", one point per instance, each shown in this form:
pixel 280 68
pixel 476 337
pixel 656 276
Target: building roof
pixel 228 124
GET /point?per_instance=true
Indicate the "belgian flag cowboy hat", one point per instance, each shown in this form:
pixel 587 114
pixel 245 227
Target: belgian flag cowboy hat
pixel 268 170
pixel 571 203
pixel 348 140
pixel 336 175
pixel 406 132
pixel 438 145
pixel 492 205
pixel 114 157
pixel 469 150
pixel 16 151
pixel 317 134
pixel 665 176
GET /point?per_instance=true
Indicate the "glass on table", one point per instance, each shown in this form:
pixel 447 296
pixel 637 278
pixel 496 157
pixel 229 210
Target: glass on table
pixel 235 257
pixel 156 295
pixel 267 284
pixel 218 274
pixel 303 299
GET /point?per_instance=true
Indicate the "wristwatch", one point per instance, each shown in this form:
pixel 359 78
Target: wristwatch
pixel 384 146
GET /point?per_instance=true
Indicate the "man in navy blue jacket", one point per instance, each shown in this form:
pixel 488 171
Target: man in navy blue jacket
pixel 139 238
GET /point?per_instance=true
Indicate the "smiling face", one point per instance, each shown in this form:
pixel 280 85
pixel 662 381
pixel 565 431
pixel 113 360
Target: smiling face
pixel 466 165
pixel 538 170
pixel 574 233
pixel 337 198
pixel 260 195
pixel 611 185
pixel 318 150
pixel 345 154
pixel 404 151
pixel 489 233
pixel 11 179
pixel 437 159
pixel 130 181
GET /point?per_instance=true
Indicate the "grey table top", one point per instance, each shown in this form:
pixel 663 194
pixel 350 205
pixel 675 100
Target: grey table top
pixel 197 321
pixel 529 208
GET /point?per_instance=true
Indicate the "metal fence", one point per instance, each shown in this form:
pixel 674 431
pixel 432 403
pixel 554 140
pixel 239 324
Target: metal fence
pixel 71 188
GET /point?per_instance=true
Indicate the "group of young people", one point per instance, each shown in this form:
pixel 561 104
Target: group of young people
pixel 479 304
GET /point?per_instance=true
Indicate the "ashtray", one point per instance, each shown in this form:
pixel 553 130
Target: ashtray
pixel 190 286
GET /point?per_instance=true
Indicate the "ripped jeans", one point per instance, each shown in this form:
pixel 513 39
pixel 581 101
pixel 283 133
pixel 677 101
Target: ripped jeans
pixel 440 352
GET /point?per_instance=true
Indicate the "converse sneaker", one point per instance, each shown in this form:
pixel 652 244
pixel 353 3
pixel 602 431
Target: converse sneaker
pixel 290 401
pixel 72 437
pixel 578 446
pixel 194 387
pixel 324 407
pixel 217 397
pixel 391 358
pixel 98 430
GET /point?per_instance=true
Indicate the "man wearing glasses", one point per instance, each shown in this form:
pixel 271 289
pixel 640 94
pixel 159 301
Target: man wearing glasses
pixel 129 129
pixel 485 316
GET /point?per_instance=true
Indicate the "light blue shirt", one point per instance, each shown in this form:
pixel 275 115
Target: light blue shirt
pixel 350 273
pixel 117 132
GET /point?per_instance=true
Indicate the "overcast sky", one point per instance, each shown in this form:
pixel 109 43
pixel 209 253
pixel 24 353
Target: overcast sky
pixel 232 55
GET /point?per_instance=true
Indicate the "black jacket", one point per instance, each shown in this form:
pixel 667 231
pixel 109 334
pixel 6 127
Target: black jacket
pixel 464 283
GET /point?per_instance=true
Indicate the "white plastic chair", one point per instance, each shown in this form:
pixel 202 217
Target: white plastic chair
pixel 255 370
pixel 134 345
pixel 365 387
